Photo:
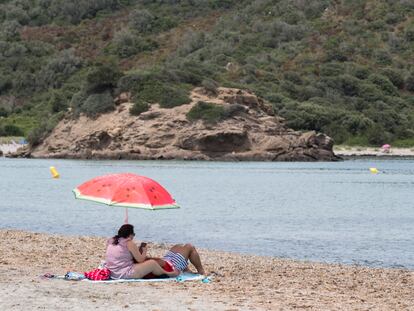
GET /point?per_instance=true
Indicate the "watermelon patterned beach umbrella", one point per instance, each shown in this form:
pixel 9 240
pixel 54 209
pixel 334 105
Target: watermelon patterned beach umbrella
pixel 126 190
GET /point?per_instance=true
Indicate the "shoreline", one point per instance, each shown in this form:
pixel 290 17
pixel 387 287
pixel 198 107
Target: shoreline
pixel 356 152
pixel 344 152
pixel 240 282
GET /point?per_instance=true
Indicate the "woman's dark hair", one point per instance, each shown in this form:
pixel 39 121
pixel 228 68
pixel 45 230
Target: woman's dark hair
pixel 123 232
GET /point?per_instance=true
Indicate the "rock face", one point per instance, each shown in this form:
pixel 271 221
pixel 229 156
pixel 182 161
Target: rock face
pixel 251 132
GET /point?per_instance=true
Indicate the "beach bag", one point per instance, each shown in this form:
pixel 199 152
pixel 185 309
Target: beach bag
pixel 98 274
pixel 73 276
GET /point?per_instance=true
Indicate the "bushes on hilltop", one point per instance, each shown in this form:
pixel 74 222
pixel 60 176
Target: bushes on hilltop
pixel 139 107
pixel 58 70
pixel 10 130
pixel 205 111
pixel 154 87
pixel 35 13
pixel 409 82
pixel 96 95
pixel 126 43
pixel 213 113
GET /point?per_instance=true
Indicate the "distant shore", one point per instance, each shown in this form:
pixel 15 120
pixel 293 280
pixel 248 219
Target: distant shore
pixel 345 152
pixel 240 282
pixel 9 148
pixel 11 144
pixel 358 152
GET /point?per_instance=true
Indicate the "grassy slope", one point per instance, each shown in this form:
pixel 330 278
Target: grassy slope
pixel 343 67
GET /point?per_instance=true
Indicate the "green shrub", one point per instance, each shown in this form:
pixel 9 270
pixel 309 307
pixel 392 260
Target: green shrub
pixel 378 25
pixel 291 90
pixel 154 87
pixel 172 96
pixel 77 101
pixel 361 72
pixel 293 77
pixel 308 92
pixel 314 9
pixel 337 132
pixel 218 4
pixel 369 91
pixel 395 76
pixel 10 30
pixel 348 85
pixel 404 143
pixel 383 83
pixel 336 54
pixel 383 57
pixel 308 116
pixel 332 69
pixel 59 101
pixel 409 33
pixel 205 111
pixel 135 82
pixel 377 135
pixel 396 102
pixel 142 21
pixel 409 83
pixel 394 18
pixel 358 140
pixel 75 11
pixel 274 98
pixel 37 135
pixel 210 86
pixel 58 69
pixel 385 116
pixel 192 42
pixel 182 76
pixel 102 77
pixel 3 112
pixel 279 31
pixel 355 124
pixel 5 84
pixel 12 130
pixel 126 44
pixel 97 104
pixel 139 107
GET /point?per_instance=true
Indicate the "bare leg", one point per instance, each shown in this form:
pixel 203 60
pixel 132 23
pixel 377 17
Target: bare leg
pixel 189 252
pixel 150 266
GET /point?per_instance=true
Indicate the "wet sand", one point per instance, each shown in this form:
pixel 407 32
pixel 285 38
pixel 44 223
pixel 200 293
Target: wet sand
pixel 241 282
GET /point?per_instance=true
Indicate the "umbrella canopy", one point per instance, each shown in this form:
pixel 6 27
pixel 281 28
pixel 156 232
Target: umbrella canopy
pixel 126 190
pixel 386 146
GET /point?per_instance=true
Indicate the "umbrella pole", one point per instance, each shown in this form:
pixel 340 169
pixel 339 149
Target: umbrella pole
pixel 126 215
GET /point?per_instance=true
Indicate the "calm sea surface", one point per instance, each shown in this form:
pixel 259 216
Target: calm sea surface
pixel 329 212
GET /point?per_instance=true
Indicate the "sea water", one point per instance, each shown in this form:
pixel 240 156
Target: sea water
pixel 328 212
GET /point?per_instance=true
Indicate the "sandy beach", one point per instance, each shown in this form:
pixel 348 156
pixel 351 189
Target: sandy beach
pixel 240 282
pixel 356 152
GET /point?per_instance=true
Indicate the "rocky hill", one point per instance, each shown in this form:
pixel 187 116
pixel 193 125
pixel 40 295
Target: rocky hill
pixel 341 67
pixel 248 130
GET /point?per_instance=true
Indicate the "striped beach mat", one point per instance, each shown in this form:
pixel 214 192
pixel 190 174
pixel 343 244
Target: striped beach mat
pixel 181 278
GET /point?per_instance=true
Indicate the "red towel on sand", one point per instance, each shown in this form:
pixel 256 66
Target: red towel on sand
pixel 98 274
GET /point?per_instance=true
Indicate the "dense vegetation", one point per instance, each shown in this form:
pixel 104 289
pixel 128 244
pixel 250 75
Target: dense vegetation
pixel 344 67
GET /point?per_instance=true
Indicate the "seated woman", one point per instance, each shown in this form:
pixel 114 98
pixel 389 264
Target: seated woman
pixel 125 260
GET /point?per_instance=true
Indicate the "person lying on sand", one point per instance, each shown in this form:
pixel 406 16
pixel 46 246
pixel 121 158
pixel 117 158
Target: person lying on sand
pixel 126 260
